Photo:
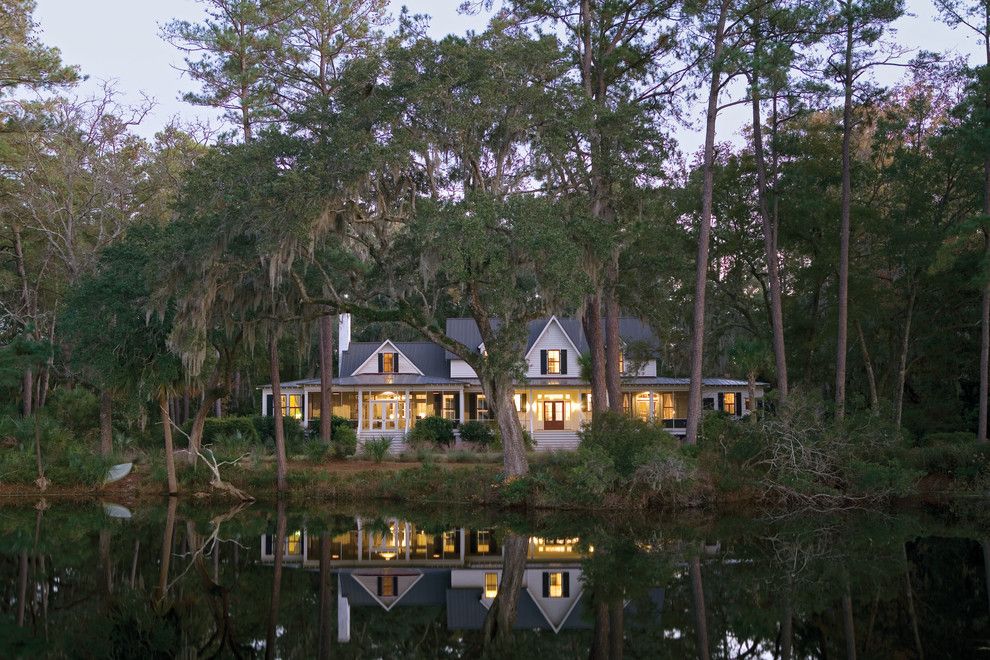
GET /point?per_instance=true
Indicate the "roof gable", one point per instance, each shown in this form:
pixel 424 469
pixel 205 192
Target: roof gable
pixel 553 321
pixel 395 349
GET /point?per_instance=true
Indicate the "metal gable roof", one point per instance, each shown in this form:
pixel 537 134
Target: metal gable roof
pixel 631 329
pixel 427 356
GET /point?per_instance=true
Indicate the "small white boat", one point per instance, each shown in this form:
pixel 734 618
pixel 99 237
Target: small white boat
pixel 118 472
pixel 116 511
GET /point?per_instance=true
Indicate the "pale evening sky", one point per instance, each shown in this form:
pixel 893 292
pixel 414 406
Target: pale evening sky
pixel 119 40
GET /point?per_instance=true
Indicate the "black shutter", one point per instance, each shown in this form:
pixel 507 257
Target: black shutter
pixel 546 585
pixel 379 585
pixel 457 406
pixel 395 363
pixel 721 401
pixel 381 362
pixel 269 544
pixel 543 362
pixel 437 404
pixel 269 408
pixel 523 401
pixel 739 404
pixel 567 584
pixel 563 361
pixel 472 406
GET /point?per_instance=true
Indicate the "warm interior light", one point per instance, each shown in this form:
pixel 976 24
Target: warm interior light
pixel 387 556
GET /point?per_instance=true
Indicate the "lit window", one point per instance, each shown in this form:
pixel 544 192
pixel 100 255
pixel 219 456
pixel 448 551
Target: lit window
pixel 293 544
pixel 553 362
pixel 491 585
pixel 448 543
pixel 585 401
pixel 482 407
pixel 729 403
pixel 389 362
pixel 449 407
pixel 292 406
pixel 556 585
pixel 484 541
pixel 622 363
pixel 387 586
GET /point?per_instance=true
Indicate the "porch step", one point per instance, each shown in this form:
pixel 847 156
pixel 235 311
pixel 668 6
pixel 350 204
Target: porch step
pixel 555 440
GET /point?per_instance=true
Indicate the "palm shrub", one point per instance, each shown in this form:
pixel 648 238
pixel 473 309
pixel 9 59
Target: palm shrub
pixel 344 440
pixel 435 431
pixel 377 449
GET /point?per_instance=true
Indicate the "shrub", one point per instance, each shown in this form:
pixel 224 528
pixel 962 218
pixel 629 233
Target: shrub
pixel 344 440
pixel 316 451
pixel 77 409
pixel 946 438
pixel 377 448
pixel 967 461
pixel 436 431
pixel 215 428
pixel 479 433
pixel 295 435
pixel 624 440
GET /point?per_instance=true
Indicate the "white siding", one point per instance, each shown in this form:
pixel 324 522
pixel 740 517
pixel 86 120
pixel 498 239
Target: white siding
pixel 648 370
pixel 553 337
pixel 371 365
pixel 460 369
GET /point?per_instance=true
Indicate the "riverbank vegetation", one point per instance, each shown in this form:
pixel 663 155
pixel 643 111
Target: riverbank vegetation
pixel 149 286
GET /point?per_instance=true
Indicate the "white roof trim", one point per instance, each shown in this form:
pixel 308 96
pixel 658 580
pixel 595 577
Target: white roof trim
pixel 556 628
pixel 395 349
pixel 371 593
pixel 553 319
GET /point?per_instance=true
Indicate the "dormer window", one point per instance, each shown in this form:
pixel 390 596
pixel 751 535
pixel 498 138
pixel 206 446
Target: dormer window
pixel 553 362
pixel 388 363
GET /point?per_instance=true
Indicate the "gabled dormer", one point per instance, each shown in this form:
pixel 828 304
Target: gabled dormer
pixel 387 359
pixel 553 354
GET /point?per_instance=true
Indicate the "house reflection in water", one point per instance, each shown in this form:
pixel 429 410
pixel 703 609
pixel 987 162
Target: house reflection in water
pixel 397 564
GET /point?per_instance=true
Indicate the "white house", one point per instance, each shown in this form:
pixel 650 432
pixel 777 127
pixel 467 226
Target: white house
pixel 385 387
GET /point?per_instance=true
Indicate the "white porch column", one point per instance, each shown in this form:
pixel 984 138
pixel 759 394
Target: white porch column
pixel 462 544
pixel 360 409
pixel 461 401
pixel 360 548
pixel 530 405
pixel 305 404
pixel 406 421
pixel 408 541
pixel 653 413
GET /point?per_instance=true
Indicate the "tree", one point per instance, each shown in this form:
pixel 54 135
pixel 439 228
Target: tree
pixel 24 60
pixel 750 357
pixel 975 15
pixel 856 48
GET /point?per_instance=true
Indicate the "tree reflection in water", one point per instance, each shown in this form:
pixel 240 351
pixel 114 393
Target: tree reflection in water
pixel 253 582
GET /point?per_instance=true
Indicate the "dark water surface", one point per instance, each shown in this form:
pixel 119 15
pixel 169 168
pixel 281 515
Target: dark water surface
pixel 197 580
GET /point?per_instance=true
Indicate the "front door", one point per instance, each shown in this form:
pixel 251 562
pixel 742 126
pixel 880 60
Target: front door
pixel 553 415
pixel 387 415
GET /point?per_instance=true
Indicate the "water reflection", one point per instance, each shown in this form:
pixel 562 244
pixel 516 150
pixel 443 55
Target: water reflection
pixel 249 582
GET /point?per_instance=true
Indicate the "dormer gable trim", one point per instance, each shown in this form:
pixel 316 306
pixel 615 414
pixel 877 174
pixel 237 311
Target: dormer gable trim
pixel 553 319
pixel 374 356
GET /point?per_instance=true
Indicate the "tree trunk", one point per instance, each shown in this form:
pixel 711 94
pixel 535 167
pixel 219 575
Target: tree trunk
pixel 613 345
pixel 326 378
pixel 28 392
pixel 273 606
pixel 981 429
pixel 167 539
pixel 848 625
pixel 210 395
pixel 499 391
pixel 106 422
pixel 870 375
pixel 616 630
pixel 846 202
pixel 700 616
pixel 22 582
pixel 39 466
pixel 326 596
pixel 751 386
pixel 704 235
pixel 787 630
pixel 770 246
pixel 592 321
pixel 501 615
pixel 902 365
pixel 280 459
pixel 912 614
pixel 173 483
pixel 600 636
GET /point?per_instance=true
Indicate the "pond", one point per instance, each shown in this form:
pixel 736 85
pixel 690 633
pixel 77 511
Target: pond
pixel 199 580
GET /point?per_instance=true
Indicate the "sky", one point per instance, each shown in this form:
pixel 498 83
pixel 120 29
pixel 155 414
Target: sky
pixel 118 40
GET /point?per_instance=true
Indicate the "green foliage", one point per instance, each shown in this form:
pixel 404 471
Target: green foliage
pixel 216 429
pixel 377 449
pixel 436 431
pixel 295 434
pixel 77 409
pixel 946 438
pixel 478 433
pixel 623 442
pixel 967 462
pixel 343 440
